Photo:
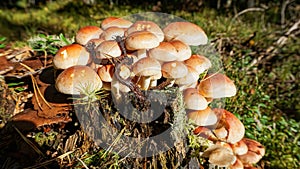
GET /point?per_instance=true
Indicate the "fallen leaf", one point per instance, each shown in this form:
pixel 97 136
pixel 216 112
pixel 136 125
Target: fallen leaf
pixel 29 119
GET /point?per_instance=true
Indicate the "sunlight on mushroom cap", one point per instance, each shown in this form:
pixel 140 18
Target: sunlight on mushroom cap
pixel 78 79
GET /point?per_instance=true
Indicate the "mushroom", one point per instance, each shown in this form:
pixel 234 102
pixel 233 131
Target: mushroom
pixel 71 55
pixel 174 70
pixel 112 32
pixel 115 22
pixel 217 86
pixel 193 100
pixel 96 42
pixel 116 89
pixel 190 79
pixel 219 155
pixel 106 72
pixel 221 133
pixel 147 26
pixel 165 52
pixel 146 68
pixel 77 80
pixel 108 49
pixel 255 152
pixel 205 133
pixel 187 32
pixel 239 148
pixel 183 50
pixel 232 124
pixel 204 117
pixel 141 40
pixel 87 33
pixel 198 62
pixel 237 165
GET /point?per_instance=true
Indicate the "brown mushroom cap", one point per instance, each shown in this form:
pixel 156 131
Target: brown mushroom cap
pixel 112 32
pixel 204 117
pixel 87 33
pixel 198 62
pixel 106 72
pixel 116 22
pixel 76 79
pixel 147 26
pixel 219 155
pixel 237 165
pixel 96 42
pixel 217 86
pixel 165 52
pixel 255 152
pixel 183 50
pixel 193 100
pixel 71 55
pixel 186 32
pixel 234 126
pixel 239 148
pixel 221 133
pixel 190 78
pixel 141 40
pixel 108 49
pixel 174 70
pixel 146 68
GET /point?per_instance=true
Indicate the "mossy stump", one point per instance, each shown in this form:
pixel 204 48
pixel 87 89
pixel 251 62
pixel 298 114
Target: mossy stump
pixel 152 137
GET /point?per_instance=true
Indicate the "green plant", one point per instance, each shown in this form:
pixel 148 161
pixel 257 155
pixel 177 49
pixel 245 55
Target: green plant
pixel 2 42
pixel 48 43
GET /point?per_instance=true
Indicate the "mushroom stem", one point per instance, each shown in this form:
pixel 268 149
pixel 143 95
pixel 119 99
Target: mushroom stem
pixel 145 82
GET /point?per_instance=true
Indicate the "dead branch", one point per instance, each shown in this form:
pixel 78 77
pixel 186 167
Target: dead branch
pixel 273 50
pixel 248 10
pixel 282 12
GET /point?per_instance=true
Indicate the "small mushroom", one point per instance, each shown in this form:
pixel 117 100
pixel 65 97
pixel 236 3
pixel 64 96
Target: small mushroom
pixel 219 155
pixel 174 70
pixel 183 50
pixel 108 49
pixel 232 124
pixel 237 165
pixel 221 133
pixel 77 80
pixel 217 86
pixel 147 26
pixel 239 148
pixel 204 117
pixel 255 152
pixel 193 100
pixel 141 40
pixel 191 78
pixel 205 133
pixel 198 62
pixel 87 33
pixel 146 68
pixel 165 52
pixel 106 72
pixel 71 55
pixel 115 22
pixel 112 32
pixel 187 32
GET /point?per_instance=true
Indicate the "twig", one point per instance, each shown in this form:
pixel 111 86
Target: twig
pixel 272 50
pixel 282 13
pixel 36 88
pixel 29 142
pixel 85 166
pixel 247 10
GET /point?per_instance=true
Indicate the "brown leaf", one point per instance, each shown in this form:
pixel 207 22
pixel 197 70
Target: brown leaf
pixel 5 65
pixel 57 101
pixel 29 119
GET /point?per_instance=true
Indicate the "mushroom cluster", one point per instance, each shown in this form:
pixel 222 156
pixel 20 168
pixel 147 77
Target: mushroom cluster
pixel 121 56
